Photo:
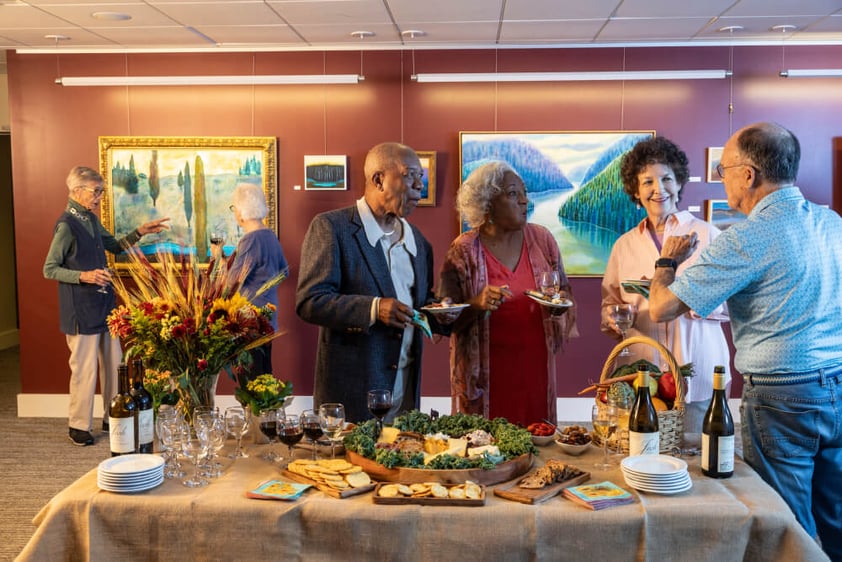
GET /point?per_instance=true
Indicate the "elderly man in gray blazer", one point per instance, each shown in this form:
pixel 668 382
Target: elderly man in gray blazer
pixel 363 270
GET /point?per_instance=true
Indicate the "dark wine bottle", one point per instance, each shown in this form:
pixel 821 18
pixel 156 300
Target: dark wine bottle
pixel 122 417
pixel 644 438
pixel 718 432
pixel 145 414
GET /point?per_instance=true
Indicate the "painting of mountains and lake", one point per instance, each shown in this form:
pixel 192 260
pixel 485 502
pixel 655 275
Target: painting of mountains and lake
pixel 189 180
pixel 573 183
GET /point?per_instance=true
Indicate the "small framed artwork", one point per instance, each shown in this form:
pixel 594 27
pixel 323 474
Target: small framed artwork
pixel 720 215
pixel 325 172
pixel 428 192
pixel 713 158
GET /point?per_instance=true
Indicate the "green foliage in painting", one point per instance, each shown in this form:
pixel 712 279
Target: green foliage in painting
pixel 184 183
pixel 154 184
pixel 201 210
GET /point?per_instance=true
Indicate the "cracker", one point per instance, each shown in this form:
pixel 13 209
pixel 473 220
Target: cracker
pixel 457 492
pixel 389 491
pixel 404 489
pixel 358 479
pixel 438 491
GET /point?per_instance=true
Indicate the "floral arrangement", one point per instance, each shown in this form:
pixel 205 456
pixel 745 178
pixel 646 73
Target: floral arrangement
pixel 159 385
pixel 189 321
pixel 263 393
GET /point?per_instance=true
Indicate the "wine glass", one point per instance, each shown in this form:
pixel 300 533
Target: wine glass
pixel 379 404
pixel 269 427
pixel 290 431
pixel 623 406
pixel 548 282
pixel 169 426
pixel 332 419
pixel 216 441
pixel 194 445
pixel 237 424
pixel 104 288
pixel 604 419
pixel 624 316
pixel 312 427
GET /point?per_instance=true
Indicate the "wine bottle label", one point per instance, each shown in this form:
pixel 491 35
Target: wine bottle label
pixel 145 426
pixel 121 435
pixel 724 460
pixel 644 443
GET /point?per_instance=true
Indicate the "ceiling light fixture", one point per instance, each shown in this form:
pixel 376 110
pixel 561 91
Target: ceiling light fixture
pixel 571 76
pixel 812 73
pixel 259 80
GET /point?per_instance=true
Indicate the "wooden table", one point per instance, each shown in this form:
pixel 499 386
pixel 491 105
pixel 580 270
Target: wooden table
pixel 740 518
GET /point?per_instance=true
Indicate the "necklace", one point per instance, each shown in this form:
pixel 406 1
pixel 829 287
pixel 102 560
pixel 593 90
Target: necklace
pixel 77 214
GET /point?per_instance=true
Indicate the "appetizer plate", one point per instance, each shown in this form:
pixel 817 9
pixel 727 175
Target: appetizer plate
pixel 439 309
pixel 540 299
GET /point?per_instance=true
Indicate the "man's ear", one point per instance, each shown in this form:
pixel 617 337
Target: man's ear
pixel 377 180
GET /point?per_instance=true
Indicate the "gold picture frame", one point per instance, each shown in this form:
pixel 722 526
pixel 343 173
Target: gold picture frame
pixel 428 192
pixel 188 179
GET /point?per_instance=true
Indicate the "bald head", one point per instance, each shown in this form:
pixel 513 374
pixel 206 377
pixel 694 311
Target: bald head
pixel 772 149
pixel 393 183
pixel 384 157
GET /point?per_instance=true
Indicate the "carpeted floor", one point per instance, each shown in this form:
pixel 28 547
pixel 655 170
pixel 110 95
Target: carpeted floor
pixel 37 460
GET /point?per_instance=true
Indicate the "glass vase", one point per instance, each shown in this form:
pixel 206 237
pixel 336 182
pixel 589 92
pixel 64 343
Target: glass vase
pixel 194 391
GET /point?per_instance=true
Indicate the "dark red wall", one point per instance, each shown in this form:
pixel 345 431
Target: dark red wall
pixel 55 128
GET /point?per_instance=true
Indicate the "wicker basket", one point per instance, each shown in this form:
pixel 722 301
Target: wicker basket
pixel 670 422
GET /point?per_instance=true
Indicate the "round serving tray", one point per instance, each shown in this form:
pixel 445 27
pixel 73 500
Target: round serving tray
pixel 502 472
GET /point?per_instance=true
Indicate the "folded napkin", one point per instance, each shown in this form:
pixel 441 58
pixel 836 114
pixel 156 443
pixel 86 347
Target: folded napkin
pixel 420 319
pixel 277 490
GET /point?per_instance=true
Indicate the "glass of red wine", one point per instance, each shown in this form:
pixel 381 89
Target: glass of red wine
pixel 290 432
pixel 311 424
pixel 379 404
pixel 269 427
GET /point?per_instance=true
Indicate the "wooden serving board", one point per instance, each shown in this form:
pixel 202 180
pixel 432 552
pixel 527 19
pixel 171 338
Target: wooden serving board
pixel 333 492
pixel 502 472
pixel 427 500
pixel 532 496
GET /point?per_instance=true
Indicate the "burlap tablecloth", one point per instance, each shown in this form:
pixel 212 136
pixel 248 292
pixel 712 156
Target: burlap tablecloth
pixel 740 518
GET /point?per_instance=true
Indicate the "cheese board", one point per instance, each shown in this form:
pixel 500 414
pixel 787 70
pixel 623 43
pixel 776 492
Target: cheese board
pixel 512 491
pixel 500 473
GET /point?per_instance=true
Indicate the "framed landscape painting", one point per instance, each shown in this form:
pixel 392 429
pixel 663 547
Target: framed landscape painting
pixel 573 184
pixel 428 192
pixel 714 156
pixel 188 179
pixel 325 172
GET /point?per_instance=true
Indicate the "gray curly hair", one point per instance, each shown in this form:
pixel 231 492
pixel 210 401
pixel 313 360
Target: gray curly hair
pixel 473 201
pixel 249 200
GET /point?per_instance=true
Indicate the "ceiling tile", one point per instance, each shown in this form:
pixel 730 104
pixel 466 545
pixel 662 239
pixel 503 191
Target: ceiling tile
pixel 549 31
pixel 672 9
pixel 252 34
pixel 220 13
pixel 347 12
pixel 142 14
pixel 640 29
pixel 445 10
pixel 559 9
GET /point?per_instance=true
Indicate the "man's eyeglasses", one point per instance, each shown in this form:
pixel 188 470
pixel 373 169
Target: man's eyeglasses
pixel 720 169
pixel 231 208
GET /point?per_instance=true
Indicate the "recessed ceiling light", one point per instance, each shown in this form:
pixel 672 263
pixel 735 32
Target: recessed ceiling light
pixel 111 16
pixel 784 28
pixel 730 28
pixel 362 34
pixel 413 33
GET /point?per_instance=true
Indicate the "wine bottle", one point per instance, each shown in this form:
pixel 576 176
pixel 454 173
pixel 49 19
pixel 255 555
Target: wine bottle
pixel 145 414
pixel 644 438
pixel 718 432
pixel 122 417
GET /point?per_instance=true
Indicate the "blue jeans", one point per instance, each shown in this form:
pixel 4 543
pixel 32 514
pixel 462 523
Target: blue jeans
pixel 792 437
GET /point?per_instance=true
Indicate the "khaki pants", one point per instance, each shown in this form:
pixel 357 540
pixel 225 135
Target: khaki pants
pixel 91 354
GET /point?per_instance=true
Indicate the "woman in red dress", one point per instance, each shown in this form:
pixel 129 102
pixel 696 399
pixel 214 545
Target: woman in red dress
pixel 502 350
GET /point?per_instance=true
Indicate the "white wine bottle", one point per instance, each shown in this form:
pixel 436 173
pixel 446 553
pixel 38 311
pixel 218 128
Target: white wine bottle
pixel 143 402
pixel 718 432
pixel 122 419
pixel 644 438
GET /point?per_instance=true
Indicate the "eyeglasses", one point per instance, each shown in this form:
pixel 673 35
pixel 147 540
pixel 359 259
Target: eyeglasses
pixel 96 191
pixel 231 208
pixel 720 169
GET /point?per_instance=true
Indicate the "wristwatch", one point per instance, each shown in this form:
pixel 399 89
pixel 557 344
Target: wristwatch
pixel 666 262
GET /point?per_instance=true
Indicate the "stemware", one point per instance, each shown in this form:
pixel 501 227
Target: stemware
pixel 104 288
pixel 623 405
pixel 194 445
pixel 290 432
pixel 169 426
pixel 332 419
pixel 268 420
pixel 216 441
pixel 604 419
pixel 379 404
pixel 237 424
pixel 548 282
pixel 624 316
pixel 312 427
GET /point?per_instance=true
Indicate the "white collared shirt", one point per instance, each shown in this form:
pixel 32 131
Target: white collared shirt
pixel 397 248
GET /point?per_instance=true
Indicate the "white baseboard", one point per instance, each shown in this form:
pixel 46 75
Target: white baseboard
pixel 9 338
pixel 55 406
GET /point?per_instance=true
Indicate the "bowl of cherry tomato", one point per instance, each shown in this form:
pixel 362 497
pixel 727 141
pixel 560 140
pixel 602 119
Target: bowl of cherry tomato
pixel 543 433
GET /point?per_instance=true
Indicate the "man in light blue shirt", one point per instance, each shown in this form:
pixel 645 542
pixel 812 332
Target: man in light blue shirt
pixel 781 273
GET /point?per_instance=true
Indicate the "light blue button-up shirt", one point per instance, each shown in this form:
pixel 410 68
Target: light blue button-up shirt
pixel 781 272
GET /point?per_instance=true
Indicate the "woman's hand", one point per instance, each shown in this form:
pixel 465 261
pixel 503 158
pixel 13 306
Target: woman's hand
pixel 491 297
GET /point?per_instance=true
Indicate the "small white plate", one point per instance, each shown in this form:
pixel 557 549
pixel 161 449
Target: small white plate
pixel 539 298
pixel 431 309
pixel 131 464
pixel 653 464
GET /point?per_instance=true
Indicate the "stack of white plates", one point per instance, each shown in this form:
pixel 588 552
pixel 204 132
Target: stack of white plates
pixel 130 473
pixel 660 474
